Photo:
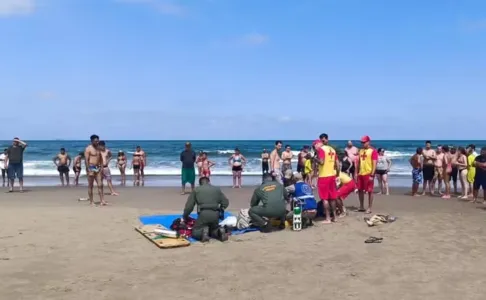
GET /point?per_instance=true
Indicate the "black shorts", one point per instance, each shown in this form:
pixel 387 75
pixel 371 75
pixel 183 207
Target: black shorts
pixel 454 174
pixel 479 183
pixel 300 168
pixel 63 169
pixel 381 172
pixel 136 167
pixel 428 172
pixel 237 168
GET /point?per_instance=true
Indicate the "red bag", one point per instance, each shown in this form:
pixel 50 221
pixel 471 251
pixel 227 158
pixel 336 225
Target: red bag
pixel 183 227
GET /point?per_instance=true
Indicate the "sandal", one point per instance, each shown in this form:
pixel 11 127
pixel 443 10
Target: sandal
pixel 372 240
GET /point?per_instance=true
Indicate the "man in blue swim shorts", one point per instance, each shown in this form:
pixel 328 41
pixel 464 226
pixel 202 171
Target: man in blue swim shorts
pixel 417 165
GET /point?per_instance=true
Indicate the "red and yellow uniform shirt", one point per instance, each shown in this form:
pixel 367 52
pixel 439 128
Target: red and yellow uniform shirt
pixel 366 159
pixel 329 156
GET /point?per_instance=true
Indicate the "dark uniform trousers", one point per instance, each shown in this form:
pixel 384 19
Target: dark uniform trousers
pixel 206 218
pixel 257 214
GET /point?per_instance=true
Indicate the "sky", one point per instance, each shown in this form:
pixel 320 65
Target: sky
pixel 243 69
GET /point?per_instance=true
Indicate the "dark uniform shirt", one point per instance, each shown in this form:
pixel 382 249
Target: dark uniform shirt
pixel 206 197
pixel 270 194
pixel 480 172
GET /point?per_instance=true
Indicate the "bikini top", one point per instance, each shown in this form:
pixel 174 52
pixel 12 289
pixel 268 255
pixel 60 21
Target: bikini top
pixel 236 158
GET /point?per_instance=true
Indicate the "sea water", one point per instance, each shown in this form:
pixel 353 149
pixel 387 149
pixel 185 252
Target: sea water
pixel 164 166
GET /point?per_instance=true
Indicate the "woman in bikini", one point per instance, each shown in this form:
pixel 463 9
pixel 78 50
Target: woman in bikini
pixel 461 165
pixel 121 163
pixel 383 166
pixel 447 166
pixel 136 163
pixel 237 162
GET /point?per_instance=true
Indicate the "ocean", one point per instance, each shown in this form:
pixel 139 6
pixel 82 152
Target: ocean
pixel 163 165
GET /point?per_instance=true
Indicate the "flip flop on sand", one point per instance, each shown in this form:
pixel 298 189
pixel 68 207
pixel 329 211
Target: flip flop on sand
pixel 368 211
pixel 373 240
pixel 360 210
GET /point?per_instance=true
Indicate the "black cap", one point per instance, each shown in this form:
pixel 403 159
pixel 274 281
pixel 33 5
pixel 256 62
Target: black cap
pixel 472 146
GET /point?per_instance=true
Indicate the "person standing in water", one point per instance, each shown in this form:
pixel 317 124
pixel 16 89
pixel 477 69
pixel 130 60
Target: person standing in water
pixel 93 162
pixel 106 156
pixel 417 165
pixel 237 162
pixel 4 166
pixel 62 161
pixel 265 157
pixel 383 166
pixel 275 161
pixel 136 165
pixel 121 163
pixel 15 163
pixel 77 167
pixel 143 160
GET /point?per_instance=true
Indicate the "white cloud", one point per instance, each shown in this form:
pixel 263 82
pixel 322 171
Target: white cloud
pixel 16 7
pixel 162 6
pixel 253 39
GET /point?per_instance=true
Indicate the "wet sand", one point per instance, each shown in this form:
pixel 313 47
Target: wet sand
pixel 54 247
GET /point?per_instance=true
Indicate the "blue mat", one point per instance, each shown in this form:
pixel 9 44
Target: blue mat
pixel 166 221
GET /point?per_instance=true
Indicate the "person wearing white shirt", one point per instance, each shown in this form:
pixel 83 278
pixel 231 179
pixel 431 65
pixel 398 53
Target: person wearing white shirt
pixel 4 165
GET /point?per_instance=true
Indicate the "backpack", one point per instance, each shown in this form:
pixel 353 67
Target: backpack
pixel 243 221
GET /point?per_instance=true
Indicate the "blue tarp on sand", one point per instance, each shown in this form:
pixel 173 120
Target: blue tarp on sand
pixel 166 221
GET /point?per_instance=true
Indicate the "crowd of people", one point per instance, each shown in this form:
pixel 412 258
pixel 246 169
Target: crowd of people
pixel 437 168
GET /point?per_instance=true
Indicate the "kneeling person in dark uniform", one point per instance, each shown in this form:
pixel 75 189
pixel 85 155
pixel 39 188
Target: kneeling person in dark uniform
pixel 210 200
pixel 272 196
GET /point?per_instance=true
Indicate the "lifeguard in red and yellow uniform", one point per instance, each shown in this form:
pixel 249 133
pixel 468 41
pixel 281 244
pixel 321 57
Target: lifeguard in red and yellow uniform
pixel 368 157
pixel 327 171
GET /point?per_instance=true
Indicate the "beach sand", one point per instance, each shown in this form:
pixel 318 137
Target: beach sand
pixel 54 247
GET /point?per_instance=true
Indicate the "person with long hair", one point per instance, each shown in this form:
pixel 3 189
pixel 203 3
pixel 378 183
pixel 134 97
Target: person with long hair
pixel 121 163
pixel 383 166
pixel 237 162
pixel 461 164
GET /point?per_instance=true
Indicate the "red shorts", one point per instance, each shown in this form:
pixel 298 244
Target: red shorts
pixel 326 186
pixel 366 183
pixel 205 173
pixel 346 189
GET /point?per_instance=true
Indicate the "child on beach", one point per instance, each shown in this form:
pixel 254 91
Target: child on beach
pixel 206 165
pixel 417 166
pixel 308 169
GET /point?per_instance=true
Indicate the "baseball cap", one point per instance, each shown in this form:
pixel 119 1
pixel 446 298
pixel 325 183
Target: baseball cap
pixel 365 139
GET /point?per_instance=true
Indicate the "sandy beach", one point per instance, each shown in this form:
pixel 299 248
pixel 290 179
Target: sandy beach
pixel 54 247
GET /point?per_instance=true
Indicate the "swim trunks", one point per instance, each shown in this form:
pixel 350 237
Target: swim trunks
pixel 93 170
pixel 136 167
pixel 366 183
pixel 188 175
pixel 326 187
pixel 76 169
pixel 237 168
pixel 63 169
pixel 417 175
pixel 346 189
pixel 106 173
pixel 438 172
pixel 428 172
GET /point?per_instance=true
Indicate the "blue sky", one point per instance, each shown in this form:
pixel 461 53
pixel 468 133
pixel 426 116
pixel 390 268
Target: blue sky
pixel 157 69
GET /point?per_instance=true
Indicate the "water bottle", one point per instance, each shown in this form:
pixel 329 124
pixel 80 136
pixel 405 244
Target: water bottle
pixel 297 221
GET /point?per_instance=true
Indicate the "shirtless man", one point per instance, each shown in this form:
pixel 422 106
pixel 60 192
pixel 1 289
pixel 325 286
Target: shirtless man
pixel 136 163
pixel 206 165
pixel 106 157
pixel 287 156
pixel 143 161
pixel 93 162
pixel 352 153
pixel 438 170
pixel 417 166
pixel 77 167
pixel 301 159
pixel 275 161
pixel 265 157
pixel 430 157
pixel 62 161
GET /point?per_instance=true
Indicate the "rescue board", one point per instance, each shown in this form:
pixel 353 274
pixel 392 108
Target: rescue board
pixel 161 241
